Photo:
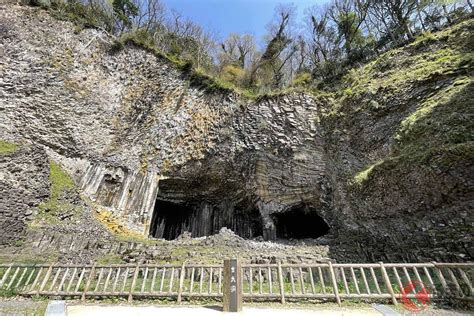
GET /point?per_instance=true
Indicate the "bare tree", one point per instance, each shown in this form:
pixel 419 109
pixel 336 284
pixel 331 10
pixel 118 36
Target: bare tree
pixel 349 16
pixel 279 48
pixel 322 40
pixel 395 14
pixel 239 49
pixel 152 14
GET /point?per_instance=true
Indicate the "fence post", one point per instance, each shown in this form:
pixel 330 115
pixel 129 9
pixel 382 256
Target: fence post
pixel 45 280
pixel 88 283
pixel 181 281
pixel 134 280
pixel 4 278
pixel 334 283
pixel 280 280
pixel 441 278
pixel 387 283
pixel 232 295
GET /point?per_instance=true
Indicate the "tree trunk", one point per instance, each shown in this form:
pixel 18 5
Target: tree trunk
pixel 446 13
pixel 418 14
pixel 469 3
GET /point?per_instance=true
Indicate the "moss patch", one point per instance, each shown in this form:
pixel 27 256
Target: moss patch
pixel 363 175
pixel 61 182
pixel 442 119
pixel 57 207
pixel 7 148
pixel 45 257
pixel 448 54
pixel 441 158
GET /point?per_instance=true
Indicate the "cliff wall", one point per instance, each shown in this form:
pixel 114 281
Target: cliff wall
pixel 384 161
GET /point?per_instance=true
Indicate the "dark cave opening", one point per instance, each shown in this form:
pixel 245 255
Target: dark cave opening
pixel 171 219
pixel 298 223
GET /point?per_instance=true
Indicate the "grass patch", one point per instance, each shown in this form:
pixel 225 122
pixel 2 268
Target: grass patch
pixel 60 181
pixel 110 259
pixel 7 148
pixel 8 293
pixel 56 207
pixel 363 175
pixel 6 258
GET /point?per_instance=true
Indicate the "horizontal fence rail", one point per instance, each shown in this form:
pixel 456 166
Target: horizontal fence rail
pixel 130 281
pixel 330 281
pixel 356 281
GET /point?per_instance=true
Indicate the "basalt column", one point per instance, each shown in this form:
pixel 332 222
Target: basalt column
pixel 201 218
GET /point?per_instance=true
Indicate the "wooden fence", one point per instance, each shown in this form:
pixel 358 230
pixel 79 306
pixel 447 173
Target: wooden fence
pixel 329 281
pixel 357 281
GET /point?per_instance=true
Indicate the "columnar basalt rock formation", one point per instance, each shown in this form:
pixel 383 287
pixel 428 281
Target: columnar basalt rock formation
pixel 23 185
pixel 167 156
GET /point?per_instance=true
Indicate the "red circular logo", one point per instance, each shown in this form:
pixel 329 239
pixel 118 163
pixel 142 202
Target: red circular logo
pixel 415 296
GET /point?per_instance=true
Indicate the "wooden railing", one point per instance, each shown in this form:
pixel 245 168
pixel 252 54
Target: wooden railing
pixel 131 281
pixel 331 281
pixel 356 281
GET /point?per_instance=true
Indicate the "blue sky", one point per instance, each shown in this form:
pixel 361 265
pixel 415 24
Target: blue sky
pixel 242 16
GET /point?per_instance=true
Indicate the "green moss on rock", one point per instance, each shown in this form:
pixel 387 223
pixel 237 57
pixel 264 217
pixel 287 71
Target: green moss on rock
pixel 440 158
pixel 440 120
pixel 7 147
pixel 363 175
pixel 60 180
pixel 57 206
pixel 431 57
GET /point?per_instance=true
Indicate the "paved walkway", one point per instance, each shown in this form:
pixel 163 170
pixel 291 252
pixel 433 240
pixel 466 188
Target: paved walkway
pixel 127 310
pixel 81 310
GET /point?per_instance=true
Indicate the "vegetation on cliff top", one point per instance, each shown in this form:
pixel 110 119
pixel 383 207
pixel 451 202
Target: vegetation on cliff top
pixel 330 41
pixel 429 84
pixel 431 56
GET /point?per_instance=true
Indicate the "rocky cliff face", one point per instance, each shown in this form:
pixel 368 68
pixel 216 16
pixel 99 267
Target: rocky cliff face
pixel 402 136
pixel 23 185
pixel 168 156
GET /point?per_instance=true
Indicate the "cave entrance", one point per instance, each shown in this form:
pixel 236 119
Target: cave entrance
pixel 170 219
pixel 300 222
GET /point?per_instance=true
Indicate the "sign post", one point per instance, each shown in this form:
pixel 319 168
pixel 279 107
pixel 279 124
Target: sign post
pixel 232 295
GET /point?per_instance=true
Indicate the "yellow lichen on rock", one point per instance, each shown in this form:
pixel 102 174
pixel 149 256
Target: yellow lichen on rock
pixel 113 224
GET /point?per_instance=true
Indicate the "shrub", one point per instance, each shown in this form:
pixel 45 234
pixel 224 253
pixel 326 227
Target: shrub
pixel 233 74
pixel 302 79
